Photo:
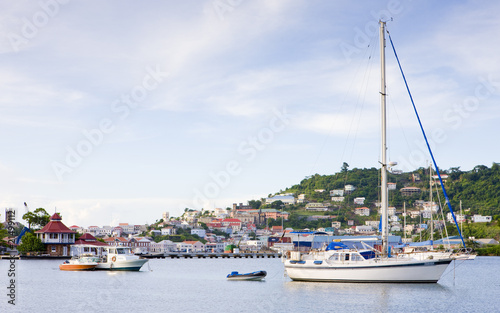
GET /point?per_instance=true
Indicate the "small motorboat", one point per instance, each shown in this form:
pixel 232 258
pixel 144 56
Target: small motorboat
pixel 259 275
pixel 80 264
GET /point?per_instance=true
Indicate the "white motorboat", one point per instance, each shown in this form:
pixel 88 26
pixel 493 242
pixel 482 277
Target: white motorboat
pixel 338 263
pixel 120 259
pixel 82 263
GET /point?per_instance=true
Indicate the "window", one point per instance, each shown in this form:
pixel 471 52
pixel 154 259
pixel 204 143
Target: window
pixel 53 249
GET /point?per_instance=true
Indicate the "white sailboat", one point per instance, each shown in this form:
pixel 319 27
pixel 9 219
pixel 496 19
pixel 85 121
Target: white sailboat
pixel 338 263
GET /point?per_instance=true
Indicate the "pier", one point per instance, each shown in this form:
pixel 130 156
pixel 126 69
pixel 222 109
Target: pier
pixel 208 255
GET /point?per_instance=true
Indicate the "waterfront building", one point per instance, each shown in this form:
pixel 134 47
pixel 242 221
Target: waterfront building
pixel 56 237
pixel 162 246
pixel 190 246
pixel 86 244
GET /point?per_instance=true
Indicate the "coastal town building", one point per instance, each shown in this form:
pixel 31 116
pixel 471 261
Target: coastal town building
pixel 168 231
pixel 409 191
pixel 163 246
pixel 200 232
pixel 56 237
pixel 315 206
pixel 285 199
pixel 349 189
pixel 364 211
pixel 481 219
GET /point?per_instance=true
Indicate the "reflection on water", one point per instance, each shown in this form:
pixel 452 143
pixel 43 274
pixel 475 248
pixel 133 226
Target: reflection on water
pixel 200 285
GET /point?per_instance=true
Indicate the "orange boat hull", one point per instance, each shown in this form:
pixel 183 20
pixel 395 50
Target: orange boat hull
pixel 77 267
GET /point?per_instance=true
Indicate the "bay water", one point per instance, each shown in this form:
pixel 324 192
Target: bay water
pixel 200 285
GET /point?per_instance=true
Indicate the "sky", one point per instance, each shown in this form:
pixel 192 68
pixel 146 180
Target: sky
pixel 117 111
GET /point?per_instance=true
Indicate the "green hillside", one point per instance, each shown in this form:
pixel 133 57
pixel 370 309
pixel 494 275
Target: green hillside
pixel 478 189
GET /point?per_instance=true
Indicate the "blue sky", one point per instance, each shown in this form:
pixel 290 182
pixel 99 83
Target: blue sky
pixel 119 111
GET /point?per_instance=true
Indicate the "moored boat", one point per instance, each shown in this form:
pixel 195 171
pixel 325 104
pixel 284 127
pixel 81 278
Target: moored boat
pixel 259 275
pixel 120 259
pixel 82 263
pixel 338 263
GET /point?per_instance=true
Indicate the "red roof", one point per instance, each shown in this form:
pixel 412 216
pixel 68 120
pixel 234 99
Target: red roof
pixel 87 237
pixel 55 217
pixel 90 243
pixel 55 226
pixel 190 242
pixel 232 220
pixel 113 239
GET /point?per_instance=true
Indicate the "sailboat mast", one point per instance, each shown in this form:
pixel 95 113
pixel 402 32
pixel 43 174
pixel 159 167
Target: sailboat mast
pixel 384 192
pixel 430 202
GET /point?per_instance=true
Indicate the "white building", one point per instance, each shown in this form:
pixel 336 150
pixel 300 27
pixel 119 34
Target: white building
pixel 301 198
pixel 391 211
pixel 191 246
pixel 199 231
pixel 364 229
pixel 481 219
pixel 364 211
pixel 255 245
pixel 315 206
pixel 336 224
pixel 372 223
pixel 162 246
pixel 337 193
pixel 349 189
pixel 284 199
pixel 460 218
pixel 168 231
pixel 337 199
pixel 396 228
pixel 359 200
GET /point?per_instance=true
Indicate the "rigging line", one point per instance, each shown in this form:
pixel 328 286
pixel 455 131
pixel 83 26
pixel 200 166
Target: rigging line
pixel 365 84
pixel 427 142
pixel 399 121
pixel 444 221
pixel 362 102
pixel 340 110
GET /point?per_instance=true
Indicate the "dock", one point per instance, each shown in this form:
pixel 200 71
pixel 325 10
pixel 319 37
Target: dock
pixel 208 255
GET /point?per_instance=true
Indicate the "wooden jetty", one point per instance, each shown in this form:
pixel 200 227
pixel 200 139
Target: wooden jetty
pixel 210 255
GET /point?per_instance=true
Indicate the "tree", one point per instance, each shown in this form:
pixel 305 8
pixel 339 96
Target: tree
pixel 345 167
pixel 277 205
pixel 30 243
pixel 39 217
pixel 255 204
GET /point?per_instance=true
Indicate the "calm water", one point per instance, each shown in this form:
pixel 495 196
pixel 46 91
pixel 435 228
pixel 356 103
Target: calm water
pixel 199 285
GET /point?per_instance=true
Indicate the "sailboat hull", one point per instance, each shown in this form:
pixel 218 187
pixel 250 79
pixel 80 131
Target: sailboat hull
pixel 378 271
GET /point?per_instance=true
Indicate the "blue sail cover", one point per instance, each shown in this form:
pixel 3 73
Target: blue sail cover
pixel 336 246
